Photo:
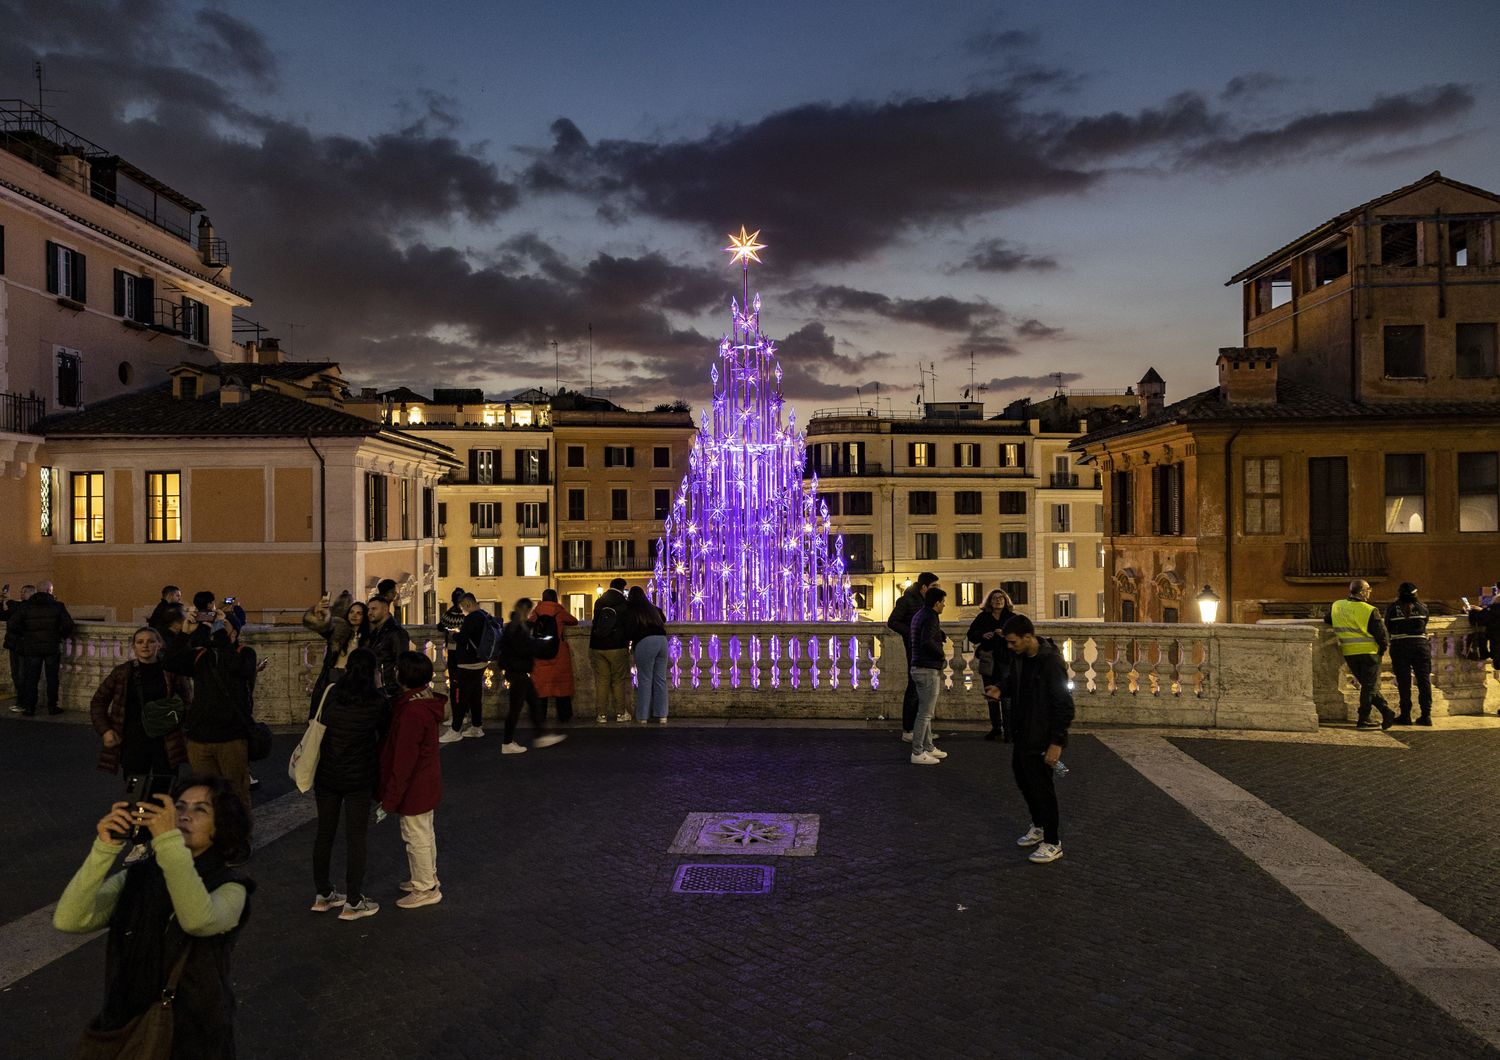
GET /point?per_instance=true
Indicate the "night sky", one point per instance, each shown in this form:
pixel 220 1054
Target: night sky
pixel 436 192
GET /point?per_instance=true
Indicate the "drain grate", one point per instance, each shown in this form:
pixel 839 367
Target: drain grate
pixel 723 879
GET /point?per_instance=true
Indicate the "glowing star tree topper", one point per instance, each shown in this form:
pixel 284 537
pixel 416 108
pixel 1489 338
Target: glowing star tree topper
pixel 747 539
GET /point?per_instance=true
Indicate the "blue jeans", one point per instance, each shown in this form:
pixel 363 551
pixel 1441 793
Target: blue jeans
pixel 929 682
pixel 651 677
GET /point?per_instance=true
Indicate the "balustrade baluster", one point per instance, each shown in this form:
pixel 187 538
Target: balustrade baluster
pixel 812 651
pixel 674 653
pixel 695 652
pixel 734 662
pixel 775 661
pixel 793 650
pixel 853 662
pixel 714 653
pixel 755 658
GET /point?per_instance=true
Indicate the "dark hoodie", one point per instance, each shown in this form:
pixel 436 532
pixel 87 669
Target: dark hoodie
pixel 411 780
pixel 1043 702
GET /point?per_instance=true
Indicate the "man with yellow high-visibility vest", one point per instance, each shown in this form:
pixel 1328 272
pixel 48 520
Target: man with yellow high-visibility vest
pixel 1363 640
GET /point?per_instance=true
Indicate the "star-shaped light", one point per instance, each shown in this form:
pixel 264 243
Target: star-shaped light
pixel 744 247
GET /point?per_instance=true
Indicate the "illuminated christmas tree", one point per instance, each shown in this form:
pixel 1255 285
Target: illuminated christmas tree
pixel 747 539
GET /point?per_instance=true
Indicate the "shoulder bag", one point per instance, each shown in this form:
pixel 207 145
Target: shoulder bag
pixel 147 1037
pixel 303 767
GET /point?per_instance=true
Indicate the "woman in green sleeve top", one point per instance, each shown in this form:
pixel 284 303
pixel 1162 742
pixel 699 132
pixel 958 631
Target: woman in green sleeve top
pixel 183 896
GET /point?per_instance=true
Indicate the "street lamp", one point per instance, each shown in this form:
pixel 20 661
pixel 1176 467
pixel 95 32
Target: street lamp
pixel 1208 605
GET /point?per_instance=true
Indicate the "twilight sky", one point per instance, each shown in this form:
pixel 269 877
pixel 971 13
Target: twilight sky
pixel 435 193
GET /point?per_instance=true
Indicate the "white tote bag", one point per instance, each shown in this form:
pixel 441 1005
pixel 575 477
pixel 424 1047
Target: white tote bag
pixel 304 764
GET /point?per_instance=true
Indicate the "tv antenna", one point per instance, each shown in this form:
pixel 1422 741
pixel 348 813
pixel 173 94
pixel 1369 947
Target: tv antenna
pixel 556 368
pixel 292 342
pixel 41 90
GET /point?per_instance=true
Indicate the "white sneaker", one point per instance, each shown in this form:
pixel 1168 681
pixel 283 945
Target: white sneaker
pixel 623 717
pixel 906 736
pixel 512 748
pixel 925 759
pixel 938 754
pixel 602 719
pixel 550 739
pixel 450 736
pixel 1033 836
pixel 322 903
pixel 1046 852
pixel 362 908
pixel 416 899
pixel 472 732
pixel 408 886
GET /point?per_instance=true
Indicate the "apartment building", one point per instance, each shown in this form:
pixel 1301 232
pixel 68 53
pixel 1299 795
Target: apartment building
pixel 982 503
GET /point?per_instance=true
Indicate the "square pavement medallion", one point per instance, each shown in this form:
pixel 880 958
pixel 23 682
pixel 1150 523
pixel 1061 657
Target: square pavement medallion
pixel 791 835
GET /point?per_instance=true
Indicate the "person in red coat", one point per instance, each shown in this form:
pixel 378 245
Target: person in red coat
pixel 118 704
pixel 411 781
pixel 553 677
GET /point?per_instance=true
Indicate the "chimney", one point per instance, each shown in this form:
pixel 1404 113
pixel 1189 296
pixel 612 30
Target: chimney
pixel 233 392
pixel 321 393
pixel 1247 375
pixel 75 172
pixel 268 351
pixel 1151 393
pixel 210 250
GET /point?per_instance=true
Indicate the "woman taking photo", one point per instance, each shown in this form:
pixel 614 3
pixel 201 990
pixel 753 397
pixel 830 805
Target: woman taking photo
pixel 355 713
pixel 992 658
pixel 647 628
pixel 119 707
pixel 173 918
pixel 343 625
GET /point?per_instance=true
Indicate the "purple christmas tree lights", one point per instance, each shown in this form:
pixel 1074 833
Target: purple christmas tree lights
pixel 747 540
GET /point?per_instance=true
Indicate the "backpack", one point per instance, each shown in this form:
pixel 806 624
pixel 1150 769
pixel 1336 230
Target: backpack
pixel 488 647
pixel 606 622
pixel 546 626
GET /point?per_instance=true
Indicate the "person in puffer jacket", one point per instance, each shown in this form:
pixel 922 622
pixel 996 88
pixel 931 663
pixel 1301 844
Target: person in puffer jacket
pixel 411 779
pixel 1041 691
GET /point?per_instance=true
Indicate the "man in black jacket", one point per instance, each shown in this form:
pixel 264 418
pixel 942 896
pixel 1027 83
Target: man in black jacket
pixel 470 665
pixel 387 640
pixel 1039 687
pixel 217 724
pixel 609 655
pixel 907 605
pixel 10 607
pixel 38 628
pixel 171 597
pixel 925 646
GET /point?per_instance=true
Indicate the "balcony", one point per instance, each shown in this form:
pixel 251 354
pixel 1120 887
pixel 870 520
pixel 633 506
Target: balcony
pixel 214 251
pixel 19 414
pixel 1334 560
pixel 480 533
pixel 861 471
pixel 530 532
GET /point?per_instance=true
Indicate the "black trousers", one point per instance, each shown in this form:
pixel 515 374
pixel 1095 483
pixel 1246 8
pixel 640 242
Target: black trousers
pixel 15 673
pixel 523 691
pixel 564 707
pixel 469 701
pixel 356 811
pixel 1034 778
pixel 1413 662
pixel 909 700
pixel 32 669
pixel 1366 671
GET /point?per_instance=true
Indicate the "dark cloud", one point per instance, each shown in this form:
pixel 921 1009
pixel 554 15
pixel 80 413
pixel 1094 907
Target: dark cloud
pixel 942 312
pixel 231 42
pixel 1000 255
pixel 1247 86
pixel 1184 118
pixel 1013 384
pixel 987 42
pixel 1035 329
pixel 816 371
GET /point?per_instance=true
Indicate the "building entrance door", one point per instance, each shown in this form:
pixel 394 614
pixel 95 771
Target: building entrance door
pixel 1328 514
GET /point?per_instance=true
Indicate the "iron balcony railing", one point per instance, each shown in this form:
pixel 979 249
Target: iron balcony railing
pixel 215 252
pixel 476 531
pixel 843 471
pixel 19 414
pixel 524 531
pixel 1335 559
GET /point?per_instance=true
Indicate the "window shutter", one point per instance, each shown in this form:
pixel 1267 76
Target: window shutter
pixel 520 560
pixel 499 561
pixel 202 323
pixel 630 551
pixel 442 558
pixel 588 555
pixel 546 562
pixel 520 512
pixel 958 454
pixel 911 453
pixel 473 465
pixel 1175 495
pixel 2 250
pixel 1156 499
pixel 51 267
pixel 544 513
pixel 473 513
pixel 474 562
pixel 1020 454
pixel 520 461
pixel 542 464
pixel 145 300
pixel 80 278
pixel 609 456
pixel 119 293
pixel 630 457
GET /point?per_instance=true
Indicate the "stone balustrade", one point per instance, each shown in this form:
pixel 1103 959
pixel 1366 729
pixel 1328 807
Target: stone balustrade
pixel 1240 677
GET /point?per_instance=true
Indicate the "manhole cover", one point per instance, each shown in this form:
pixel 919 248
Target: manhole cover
pixel 766 834
pixel 723 879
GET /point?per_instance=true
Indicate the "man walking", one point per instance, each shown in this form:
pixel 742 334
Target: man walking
pixel 10 607
pixel 471 662
pixel 907 605
pixel 925 648
pixel 1043 712
pixel 38 628
pixel 1363 640
pixel 609 655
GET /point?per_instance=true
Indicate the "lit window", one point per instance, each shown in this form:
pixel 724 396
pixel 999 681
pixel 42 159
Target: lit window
pixel 1478 490
pixel 1063 606
pixel 163 506
pixel 1062 555
pixel 531 561
pixel 520 418
pixel 88 506
pixel 1405 493
pixel 47 476
pixel 968 594
pixel 484 561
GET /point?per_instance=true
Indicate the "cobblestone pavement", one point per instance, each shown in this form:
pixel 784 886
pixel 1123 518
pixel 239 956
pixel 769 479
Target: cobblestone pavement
pixel 1426 819
pixel 918 929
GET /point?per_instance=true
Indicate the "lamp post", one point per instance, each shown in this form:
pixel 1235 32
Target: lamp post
pixel 1208 605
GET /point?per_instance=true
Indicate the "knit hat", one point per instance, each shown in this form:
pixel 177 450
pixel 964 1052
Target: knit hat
pixel 1407 591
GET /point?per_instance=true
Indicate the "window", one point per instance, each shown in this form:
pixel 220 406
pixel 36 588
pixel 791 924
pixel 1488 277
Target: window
pixel 405 510
pixel 1062 555
pixel 482 516
pixel 661 504
pixel 88 507
pixel 968 546
pixel 1170 615
pixel 1166 499
pixel 482 466
pixel 1099 606
pixel 1262 500
pixel 1475 349
pixel 927 546
pixel 965 454
pixel 531 466
pixel 1063 605
pixel 1273 290
pixel 858 553
pixel 1127 610
pixel 864 595
pixel 442 558
pixel 67 273
pixel 653 549
pixel 575 456
pixel 442 519
pixel 187 387
pixel 163 506
pixel 1405 493
pixel 194 326
pixel 1012 502
pixel 619 554
pixel 832 501
pixel 576 504
pixel 968 594
pixel 968 502
pixel 1013 454
pixel 858 504
pixel 921 454
pixel 1099 551
pixel 47 477
pixel 1062 518
pixel 375 510
pixel 69 391
pixel 1460 241
pixel 135 297
pixel 484 561
pixel 1404 357
pixel 1013 545
pixel 619 456
pixel 661 456
pixel 531 561
pixel 1019 592
pixel 1478 490
pixel 429 511
pixel 619 504
pixel 1399 243
pixel 1330 263
pixel 530 517
pixel 921 502
pixel 836 458
pixel 577 555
